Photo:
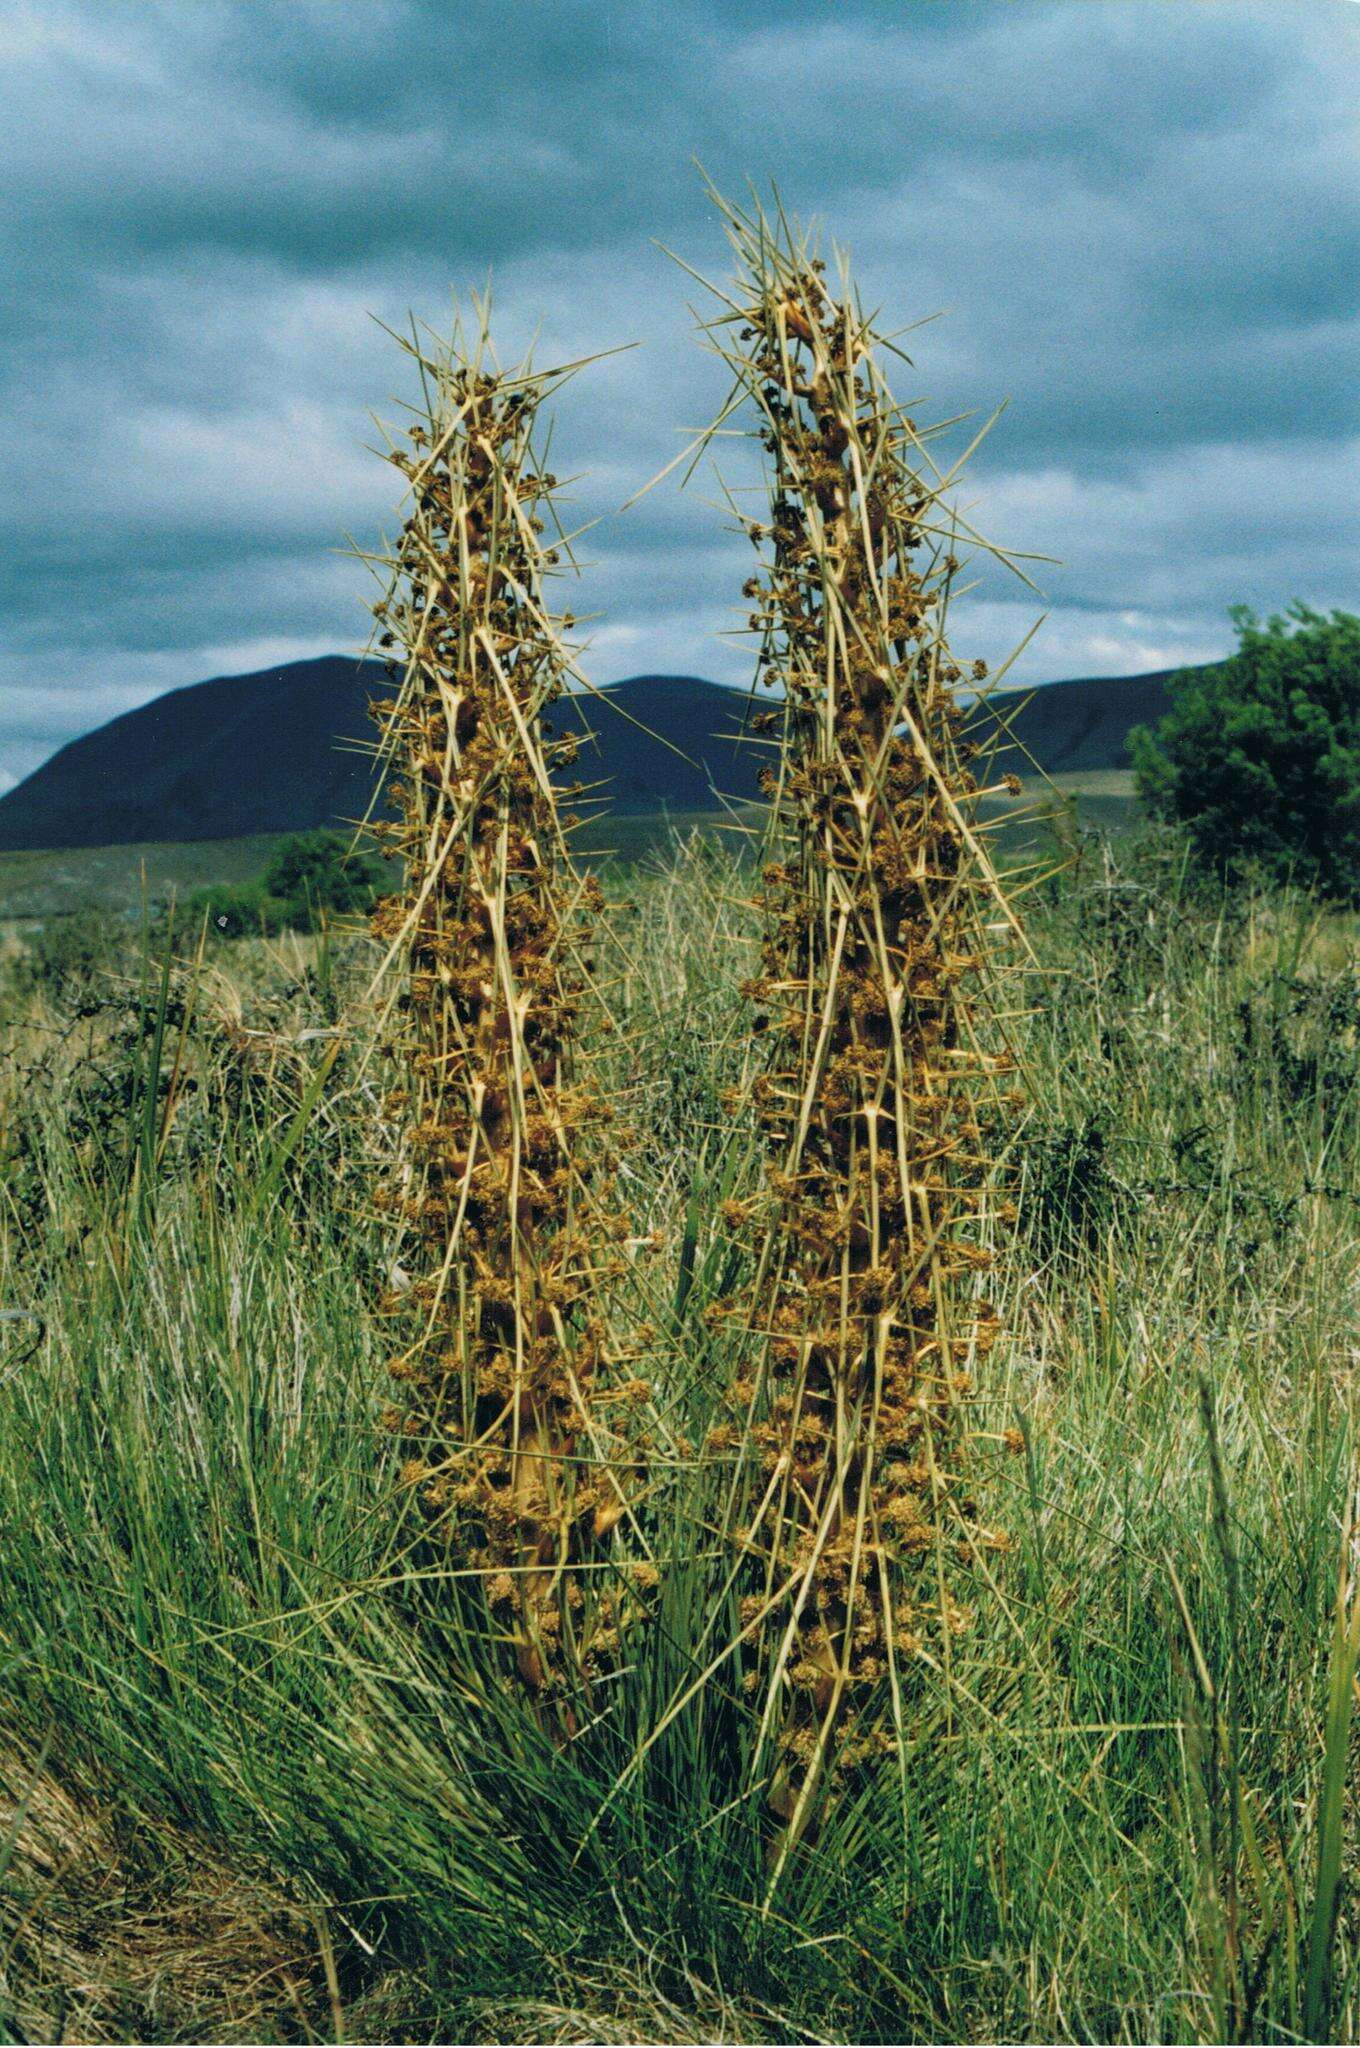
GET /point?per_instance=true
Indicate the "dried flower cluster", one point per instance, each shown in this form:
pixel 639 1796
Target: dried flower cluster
pixel 865 1301
pixel 506 1234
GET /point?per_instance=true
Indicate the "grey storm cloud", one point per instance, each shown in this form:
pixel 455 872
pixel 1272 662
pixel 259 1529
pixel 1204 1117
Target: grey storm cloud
pixel 1140 219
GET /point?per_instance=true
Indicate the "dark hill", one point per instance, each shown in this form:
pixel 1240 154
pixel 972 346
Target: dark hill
pixel 283 750
pixel 212 761
pixel 1072 728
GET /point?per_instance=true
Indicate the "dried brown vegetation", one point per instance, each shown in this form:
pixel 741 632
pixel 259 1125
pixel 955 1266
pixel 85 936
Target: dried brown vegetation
pixel 113 1934
pixel 883 924
pixel 507 1236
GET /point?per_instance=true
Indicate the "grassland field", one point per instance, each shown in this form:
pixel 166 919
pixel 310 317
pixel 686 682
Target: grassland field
pixel 56 882
pixel 252 1784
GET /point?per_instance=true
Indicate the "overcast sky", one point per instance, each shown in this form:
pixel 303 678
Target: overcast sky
pixel 1140 220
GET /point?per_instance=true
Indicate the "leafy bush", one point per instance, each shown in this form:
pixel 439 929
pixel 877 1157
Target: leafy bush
pixel 1260 756
pixel 311 876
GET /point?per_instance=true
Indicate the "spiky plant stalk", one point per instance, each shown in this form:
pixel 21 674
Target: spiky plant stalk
pixel 879 909
pixel 506 1234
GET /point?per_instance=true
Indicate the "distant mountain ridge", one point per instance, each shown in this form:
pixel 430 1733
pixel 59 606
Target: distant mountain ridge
pixel 1080 726
pixel 283 750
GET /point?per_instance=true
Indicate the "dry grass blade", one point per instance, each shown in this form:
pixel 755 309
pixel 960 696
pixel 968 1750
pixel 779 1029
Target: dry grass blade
pixel 164 1938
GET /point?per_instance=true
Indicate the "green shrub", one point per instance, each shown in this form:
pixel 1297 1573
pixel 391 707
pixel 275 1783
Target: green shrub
pixel 313 876
pixel 1260 756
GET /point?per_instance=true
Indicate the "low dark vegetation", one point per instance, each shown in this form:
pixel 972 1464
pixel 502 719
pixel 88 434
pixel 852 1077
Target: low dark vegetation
pixel 312 877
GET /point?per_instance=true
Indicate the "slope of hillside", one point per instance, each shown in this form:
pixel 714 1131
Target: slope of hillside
pixel 1076 727
pixel 287 749
pixel 216 760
